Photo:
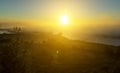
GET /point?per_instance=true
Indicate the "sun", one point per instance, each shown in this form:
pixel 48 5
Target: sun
pixel 64 20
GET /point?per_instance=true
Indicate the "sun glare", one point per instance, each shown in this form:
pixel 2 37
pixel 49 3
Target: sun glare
pixel 64 20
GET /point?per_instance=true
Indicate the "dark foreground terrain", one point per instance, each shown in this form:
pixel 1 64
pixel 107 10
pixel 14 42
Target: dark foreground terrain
pixel 47 53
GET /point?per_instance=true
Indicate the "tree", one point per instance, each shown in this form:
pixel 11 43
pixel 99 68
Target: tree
pixel 17 29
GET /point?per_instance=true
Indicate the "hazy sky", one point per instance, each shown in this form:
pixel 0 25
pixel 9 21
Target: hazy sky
pixel 40 9
pixel 48 12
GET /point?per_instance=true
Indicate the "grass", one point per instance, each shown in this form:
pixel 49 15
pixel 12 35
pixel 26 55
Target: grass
pixel 36 53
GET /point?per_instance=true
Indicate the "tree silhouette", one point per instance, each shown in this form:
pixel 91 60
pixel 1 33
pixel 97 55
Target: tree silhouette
pixel 17 29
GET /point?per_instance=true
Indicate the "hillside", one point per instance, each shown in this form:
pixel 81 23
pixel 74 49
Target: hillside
pixel 47 53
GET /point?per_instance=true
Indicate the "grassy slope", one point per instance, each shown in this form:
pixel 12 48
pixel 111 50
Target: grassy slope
pixel 37 53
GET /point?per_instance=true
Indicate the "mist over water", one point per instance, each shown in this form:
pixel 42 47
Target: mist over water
pixel 108 41
pixel 96 38
pixel 107 34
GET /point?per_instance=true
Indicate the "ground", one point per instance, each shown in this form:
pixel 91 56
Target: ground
pixel 47 53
